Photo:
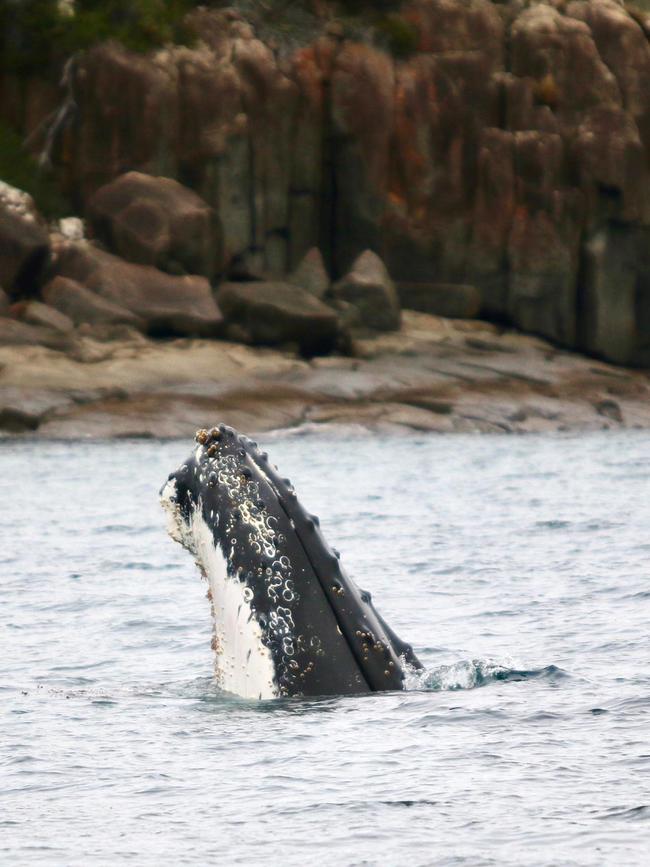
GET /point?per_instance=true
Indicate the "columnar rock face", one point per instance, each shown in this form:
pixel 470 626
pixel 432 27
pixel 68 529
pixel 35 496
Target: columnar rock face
pixel 499 153
pixel 617 294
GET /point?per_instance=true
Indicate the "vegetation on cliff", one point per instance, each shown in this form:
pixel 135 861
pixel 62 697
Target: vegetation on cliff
pixel 21 170
pixel 35 32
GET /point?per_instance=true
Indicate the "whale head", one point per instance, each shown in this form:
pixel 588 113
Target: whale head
pixel 287 620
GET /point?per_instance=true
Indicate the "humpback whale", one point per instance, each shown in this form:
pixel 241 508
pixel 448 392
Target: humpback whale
pixel 287 620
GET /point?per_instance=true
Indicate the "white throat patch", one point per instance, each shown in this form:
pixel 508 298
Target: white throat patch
pixel 243 665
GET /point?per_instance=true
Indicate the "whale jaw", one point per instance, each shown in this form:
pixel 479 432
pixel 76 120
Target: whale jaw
pixel 288 621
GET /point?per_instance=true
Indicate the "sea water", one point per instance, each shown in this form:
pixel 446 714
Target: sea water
pixel 519 568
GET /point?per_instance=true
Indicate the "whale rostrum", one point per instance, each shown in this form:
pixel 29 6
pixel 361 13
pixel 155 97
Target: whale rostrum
pixel 288 621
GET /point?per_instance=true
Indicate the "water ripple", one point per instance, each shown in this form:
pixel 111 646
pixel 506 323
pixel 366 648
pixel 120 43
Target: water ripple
pixel 517 567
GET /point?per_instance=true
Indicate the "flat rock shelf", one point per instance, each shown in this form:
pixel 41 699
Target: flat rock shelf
pixel 435 374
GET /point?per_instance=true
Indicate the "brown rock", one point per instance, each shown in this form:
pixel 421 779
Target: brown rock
pixel 165 304
pixel 157 221
pixel 24 253
pixel 83 306
pixel 273 313
pixel 368 287
pixel 36 313
pixel 15 333
pixel 454 300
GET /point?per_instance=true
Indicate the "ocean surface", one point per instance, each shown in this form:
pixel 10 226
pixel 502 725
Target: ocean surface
pixel 519 568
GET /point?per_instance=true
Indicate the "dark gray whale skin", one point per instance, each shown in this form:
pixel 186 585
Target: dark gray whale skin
pixel 324 634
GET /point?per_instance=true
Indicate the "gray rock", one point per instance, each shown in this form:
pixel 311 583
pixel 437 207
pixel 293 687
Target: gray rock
pixel 24 253
pixel 453 300
pixel 272 313
pixel 24 409
pixel 36 313
pixel 157 221
pixel 165 304
pixel 311 274
pixel 368 287
pixel 85 307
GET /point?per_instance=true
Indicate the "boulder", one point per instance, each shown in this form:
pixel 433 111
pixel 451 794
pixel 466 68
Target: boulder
pixel 165 304
pixel 273 313
pixel 368 287
pixel 15 333
pixel 454 300
pixel 37 313
pixel 85 307
pixel 157 221
pixel 24 253
pixel 311 274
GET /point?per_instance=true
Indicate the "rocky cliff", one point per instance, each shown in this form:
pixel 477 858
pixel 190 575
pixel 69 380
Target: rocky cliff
pixel 506 148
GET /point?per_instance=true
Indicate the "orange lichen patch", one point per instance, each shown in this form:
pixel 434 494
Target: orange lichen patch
pixel 546 90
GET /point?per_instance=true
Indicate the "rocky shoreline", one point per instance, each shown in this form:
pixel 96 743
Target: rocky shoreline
pixel 260 217
pixel 434 375
pixel 496 156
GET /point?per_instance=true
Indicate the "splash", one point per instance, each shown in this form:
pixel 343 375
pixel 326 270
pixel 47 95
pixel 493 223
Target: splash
pixel 470 674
